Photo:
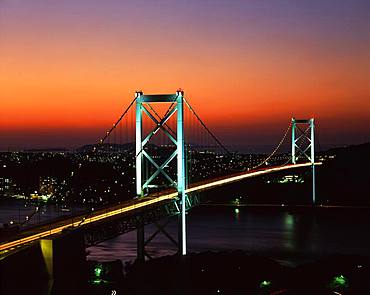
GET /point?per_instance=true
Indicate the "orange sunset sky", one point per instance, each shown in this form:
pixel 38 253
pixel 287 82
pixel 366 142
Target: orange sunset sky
pixel 69 68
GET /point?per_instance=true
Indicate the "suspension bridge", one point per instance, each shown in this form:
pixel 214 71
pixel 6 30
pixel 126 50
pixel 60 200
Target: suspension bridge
pixel 175 157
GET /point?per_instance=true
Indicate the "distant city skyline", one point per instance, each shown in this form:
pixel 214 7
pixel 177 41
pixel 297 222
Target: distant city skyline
pixel 69 68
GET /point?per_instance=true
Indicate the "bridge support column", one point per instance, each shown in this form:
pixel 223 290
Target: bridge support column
pixel 139 145
pixel 140 239
pixel 308 151
pixel 181 173
pixel 293 141
pixel 144 184
pixel 140 234
pixel 312 126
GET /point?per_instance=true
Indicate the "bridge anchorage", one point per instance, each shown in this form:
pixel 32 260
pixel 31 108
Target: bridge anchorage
pixel 176 108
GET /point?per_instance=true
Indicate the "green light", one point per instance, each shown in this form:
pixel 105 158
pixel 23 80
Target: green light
pixel 236 201
pixel 236 210
pixel 339 281
pixel 97 282
pixel 265 284
pixel 289 221
pixel 98 270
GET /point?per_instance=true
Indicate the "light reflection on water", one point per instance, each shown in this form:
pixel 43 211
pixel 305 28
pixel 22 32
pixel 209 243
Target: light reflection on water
pixel 288 237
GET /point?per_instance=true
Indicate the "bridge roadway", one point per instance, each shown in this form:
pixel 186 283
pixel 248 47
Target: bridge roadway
pixel 30 235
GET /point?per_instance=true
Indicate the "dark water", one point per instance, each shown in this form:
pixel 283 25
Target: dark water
pixel 289 236
pixel 27 213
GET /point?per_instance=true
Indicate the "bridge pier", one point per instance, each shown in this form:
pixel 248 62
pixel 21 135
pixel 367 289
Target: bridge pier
pixel 169 212
pixel 140 238
pixel 313 185
pixel 55 265
pixel 142 242
pixel 65 262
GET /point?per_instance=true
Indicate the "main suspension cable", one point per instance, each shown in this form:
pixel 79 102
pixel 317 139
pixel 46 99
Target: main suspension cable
pixel 206 128
pixel 275 150
pixel 118 121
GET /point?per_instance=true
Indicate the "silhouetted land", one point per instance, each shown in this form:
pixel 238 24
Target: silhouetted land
pixel 347 177
pixel 236 273
pixel 343 179
pixel 108 176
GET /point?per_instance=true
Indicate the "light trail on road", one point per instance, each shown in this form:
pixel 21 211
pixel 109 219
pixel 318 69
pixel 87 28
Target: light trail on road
pixel 84 221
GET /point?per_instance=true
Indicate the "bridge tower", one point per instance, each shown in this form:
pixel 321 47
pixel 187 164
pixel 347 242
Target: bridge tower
pixel 176 102
pixel 300 135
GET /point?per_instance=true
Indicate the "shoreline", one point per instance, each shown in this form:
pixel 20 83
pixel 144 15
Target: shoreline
pixel 289 206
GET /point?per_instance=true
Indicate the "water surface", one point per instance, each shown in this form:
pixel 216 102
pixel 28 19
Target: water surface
pixel 290 236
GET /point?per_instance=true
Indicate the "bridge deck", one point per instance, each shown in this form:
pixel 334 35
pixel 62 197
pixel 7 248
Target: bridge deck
pixel 24 237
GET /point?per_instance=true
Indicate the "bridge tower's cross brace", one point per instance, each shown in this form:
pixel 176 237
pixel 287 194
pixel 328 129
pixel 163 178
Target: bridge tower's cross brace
pixel 300 135
pixel 176 102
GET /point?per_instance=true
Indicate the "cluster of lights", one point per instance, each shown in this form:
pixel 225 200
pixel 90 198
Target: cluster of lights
pixel 339 281
pixel 98 270
pixel 265 284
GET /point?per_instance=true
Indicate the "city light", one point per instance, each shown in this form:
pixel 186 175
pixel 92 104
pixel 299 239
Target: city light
pixel 339 281
pixel 265 284
pixel 98 270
